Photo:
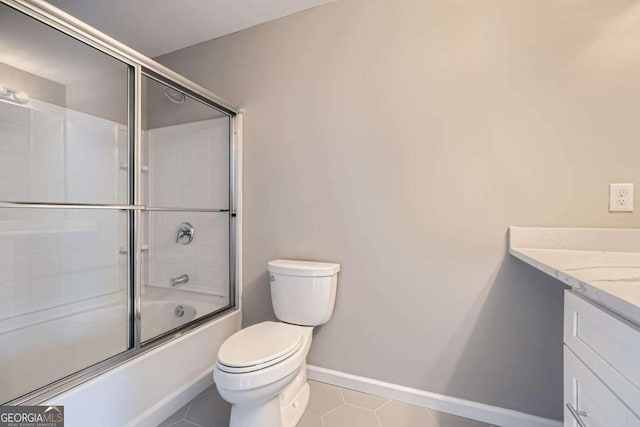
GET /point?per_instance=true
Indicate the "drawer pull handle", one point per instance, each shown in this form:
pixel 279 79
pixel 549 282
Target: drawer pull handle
pixel 577 415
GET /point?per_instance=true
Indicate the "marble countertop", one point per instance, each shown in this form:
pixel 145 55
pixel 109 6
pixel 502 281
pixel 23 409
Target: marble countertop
pixel 601 264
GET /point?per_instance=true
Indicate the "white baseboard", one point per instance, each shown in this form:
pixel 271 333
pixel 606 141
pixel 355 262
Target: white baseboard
pixel 176 400
pixel 452 405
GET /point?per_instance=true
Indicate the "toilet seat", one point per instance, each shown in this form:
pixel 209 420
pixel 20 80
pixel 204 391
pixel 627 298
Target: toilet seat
pixel 262 375
pixel 259 346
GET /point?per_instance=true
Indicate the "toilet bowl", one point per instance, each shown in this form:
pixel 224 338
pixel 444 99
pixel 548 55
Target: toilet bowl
pixel 261 370
pixel 265 388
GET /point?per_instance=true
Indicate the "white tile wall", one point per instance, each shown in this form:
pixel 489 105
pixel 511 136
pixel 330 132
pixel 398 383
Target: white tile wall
pixel 205 260
pixel 53 257
pixel 189 165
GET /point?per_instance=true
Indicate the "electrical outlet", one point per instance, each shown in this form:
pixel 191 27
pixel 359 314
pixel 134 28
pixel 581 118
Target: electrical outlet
pixel 621 197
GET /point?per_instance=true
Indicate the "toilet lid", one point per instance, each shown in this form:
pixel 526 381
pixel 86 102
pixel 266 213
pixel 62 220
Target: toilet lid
pixel 259 344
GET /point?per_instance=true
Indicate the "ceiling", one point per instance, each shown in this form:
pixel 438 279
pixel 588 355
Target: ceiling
pixel 155 27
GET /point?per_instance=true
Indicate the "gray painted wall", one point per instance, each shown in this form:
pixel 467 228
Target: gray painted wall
pixel 402 139
pixel 37 87
pixel 105 94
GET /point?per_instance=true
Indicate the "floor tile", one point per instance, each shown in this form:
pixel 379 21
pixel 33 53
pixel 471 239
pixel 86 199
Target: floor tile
pixel 398 414
pixel 363 400
pixel 351 416
pixel 310 420
pixel 329 406
pixel 448 420
pixel 177 416
pixel 324 398
pixel 211 389
pixel 208 409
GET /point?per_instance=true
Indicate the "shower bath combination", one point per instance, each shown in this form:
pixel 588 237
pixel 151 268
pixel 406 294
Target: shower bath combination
pixel 113 162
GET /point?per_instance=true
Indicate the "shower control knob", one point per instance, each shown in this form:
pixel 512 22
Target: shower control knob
pixel 185 233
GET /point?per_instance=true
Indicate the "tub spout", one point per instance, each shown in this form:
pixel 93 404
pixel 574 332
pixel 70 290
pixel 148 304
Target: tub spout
pixel 175 281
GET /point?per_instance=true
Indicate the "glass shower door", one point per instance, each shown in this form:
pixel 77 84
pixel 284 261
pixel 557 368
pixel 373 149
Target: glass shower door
pixel 116 228
pixel 186 229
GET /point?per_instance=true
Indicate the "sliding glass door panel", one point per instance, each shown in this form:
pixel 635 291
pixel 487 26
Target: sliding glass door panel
pixel 64 148
pixel 63 293
pixel 63 117
pixel 186 152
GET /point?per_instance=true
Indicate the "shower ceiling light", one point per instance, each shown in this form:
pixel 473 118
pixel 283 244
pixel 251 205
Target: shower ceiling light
pixel 18 97
pixel 174 96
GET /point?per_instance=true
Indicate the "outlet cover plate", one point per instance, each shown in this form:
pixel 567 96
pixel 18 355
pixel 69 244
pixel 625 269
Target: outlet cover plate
pixel 621 197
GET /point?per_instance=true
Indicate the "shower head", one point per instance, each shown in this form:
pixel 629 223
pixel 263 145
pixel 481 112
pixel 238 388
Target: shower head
pixel 174 96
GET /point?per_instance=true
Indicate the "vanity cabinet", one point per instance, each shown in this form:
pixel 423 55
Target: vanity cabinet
pixel 601 366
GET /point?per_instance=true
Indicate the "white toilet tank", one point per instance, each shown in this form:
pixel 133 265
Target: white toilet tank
pixel 303 292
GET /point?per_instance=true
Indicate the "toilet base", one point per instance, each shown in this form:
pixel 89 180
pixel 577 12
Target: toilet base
pixel 283 410
pixel 294 399
pixel 264 414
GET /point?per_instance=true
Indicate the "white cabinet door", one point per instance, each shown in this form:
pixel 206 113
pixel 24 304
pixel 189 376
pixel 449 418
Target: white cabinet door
pixel 594 403
pixel 607 344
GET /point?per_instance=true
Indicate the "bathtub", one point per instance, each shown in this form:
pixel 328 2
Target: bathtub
pixel 162 316
pixel 147 389
pixel 63 340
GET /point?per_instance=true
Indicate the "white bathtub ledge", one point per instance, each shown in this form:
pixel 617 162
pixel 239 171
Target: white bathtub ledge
pixel 149 388
pixel 602 264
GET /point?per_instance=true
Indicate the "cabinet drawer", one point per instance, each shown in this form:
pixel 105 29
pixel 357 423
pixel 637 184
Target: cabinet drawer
pixel 608 345
pixel 596 404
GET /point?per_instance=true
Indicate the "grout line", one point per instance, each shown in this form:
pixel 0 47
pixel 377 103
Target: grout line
pixel 206 392
pixel 353 405
pixel 375 414
pixel 384 404
pixel 376 411
pixel 184 417
pixel 333 410
pixel 344 400
pixel 432 417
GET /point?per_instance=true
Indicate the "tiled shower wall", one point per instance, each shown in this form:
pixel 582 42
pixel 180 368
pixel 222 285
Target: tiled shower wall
pixel 52 257
pixel 189 168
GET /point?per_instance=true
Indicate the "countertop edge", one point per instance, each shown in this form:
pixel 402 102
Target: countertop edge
pixel 624 309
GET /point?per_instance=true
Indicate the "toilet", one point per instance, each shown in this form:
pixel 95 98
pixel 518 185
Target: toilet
pixel 261 370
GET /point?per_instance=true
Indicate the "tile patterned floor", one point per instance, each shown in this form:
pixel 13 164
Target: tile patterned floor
pixel 207 409
pixel 329 406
